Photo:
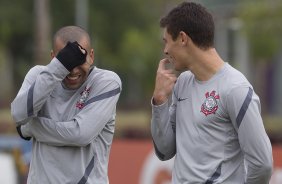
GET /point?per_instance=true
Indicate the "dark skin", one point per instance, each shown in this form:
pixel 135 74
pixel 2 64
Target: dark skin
pixel 80 73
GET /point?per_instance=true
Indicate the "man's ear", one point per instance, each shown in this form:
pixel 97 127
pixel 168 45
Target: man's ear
pixel 91 55
pixel 52 54
pixel 184 38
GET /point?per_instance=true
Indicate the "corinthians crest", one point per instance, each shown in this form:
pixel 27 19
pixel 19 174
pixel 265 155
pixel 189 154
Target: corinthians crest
pixel 210 104
pixel 84 95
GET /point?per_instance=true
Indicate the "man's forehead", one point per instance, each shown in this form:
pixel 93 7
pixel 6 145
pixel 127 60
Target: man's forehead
pixel 59 43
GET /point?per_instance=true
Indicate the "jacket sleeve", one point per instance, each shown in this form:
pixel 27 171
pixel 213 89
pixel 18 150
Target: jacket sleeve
pixel 98 113
pixel 163 129
pixel 244 110
pixel 35 90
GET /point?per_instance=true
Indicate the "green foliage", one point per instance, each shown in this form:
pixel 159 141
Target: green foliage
pixel 262 24
pixel 62 13
pixel 16 34
pixel 16 19
pixel 126 37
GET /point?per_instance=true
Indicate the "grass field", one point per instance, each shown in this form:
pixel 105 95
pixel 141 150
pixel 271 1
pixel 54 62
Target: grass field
pixel 133 123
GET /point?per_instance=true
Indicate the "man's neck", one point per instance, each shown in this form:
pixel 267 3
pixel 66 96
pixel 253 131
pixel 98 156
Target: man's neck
pixel 206 65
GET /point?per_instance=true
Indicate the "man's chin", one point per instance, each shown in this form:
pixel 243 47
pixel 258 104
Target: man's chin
pixel 71 86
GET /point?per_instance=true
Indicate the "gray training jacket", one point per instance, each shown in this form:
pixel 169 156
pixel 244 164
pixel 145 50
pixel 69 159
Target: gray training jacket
pixel 71 130
pixel 215 131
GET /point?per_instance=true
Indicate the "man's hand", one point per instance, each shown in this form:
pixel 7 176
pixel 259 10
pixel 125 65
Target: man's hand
pixel 165 81
pixel 72 55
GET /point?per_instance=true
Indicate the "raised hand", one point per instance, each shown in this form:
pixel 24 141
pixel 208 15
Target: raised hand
pixel 72 55
pixel 165 81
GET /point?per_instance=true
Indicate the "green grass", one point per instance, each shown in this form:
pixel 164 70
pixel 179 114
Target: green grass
pixel 7 125
pixel 273 124
pixel 132 120
pixel 5 115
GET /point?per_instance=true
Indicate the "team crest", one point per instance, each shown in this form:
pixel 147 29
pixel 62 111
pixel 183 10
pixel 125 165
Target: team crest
pixel 210 105
pixel 84 95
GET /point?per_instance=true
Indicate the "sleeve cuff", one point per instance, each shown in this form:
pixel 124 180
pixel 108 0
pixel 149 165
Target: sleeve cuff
pixel 161 106
pixel 57 68
pixel 19 130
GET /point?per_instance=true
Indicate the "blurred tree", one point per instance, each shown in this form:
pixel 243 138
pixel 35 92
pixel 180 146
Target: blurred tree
pixel 127 40
pixel 262 25
pixel 42 31
pixel 16 30
pixel 62 14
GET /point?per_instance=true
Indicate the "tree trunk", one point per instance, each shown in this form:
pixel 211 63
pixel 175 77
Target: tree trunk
pixel 42 32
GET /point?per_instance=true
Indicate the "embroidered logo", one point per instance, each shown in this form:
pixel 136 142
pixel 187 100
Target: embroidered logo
pixel 84 95
pixel 210 105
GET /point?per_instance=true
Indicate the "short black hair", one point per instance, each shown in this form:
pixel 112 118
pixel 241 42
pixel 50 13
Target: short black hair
pixel 194 20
